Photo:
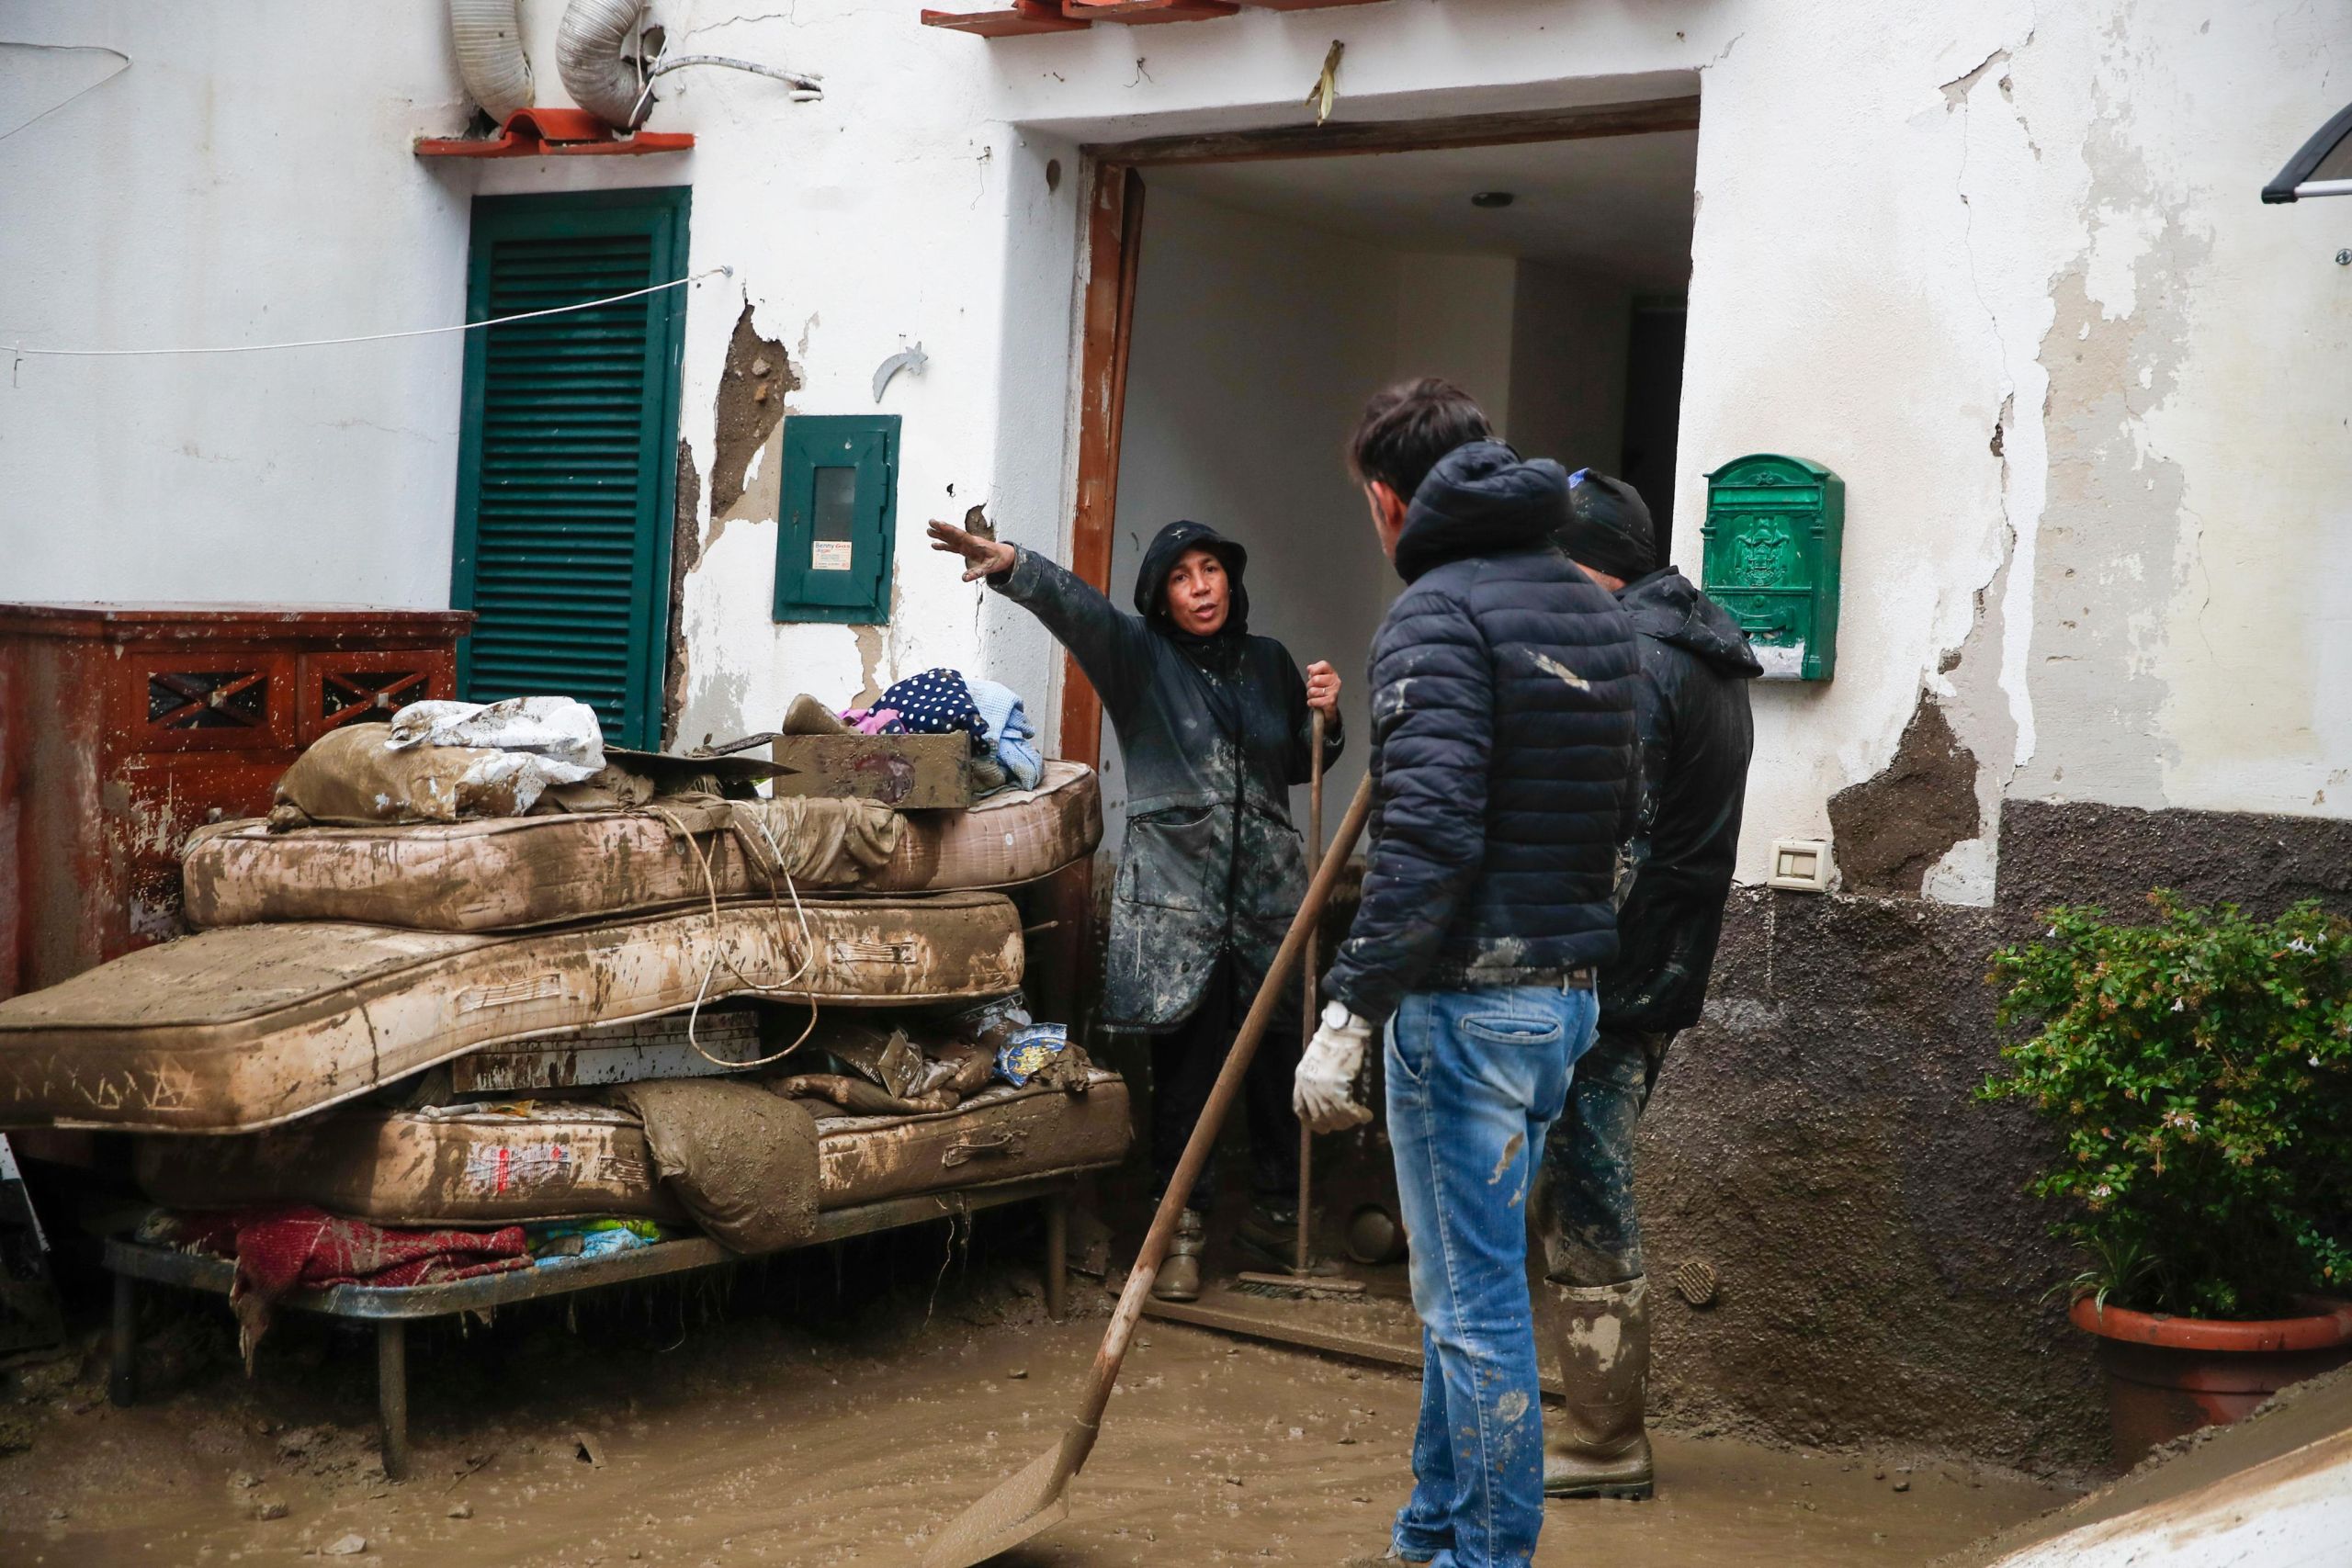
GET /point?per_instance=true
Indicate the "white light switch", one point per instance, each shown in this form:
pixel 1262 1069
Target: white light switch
pixel 1800 865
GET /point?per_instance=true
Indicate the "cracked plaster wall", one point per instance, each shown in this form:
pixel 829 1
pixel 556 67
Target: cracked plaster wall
pixel 1914 228
pixel 2041 221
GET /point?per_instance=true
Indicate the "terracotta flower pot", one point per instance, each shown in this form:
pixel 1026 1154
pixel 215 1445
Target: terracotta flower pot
pixel 2168 1375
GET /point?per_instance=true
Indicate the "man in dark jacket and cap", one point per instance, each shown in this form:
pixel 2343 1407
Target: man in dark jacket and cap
pixel 1690 709
pixel 1503 704
pixel 1213 724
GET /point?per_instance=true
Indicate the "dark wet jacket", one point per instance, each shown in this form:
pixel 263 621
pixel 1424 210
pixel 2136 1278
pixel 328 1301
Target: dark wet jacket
pixel 1214 732
pixel 1692 709
pixel 1502 702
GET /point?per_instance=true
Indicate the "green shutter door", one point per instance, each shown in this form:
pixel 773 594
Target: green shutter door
pixel 566 477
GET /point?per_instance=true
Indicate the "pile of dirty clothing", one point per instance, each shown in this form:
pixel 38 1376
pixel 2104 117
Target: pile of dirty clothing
pixel 482 993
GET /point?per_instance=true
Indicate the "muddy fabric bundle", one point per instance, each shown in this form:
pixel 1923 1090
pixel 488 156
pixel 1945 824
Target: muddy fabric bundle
pixel 741 1160
pixel 860 1097
pixel 610 788
pixel 816 842
pixel 294 1246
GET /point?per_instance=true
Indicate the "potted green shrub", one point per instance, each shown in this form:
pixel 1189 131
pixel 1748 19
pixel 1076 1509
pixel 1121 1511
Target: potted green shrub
pixel 2198 1074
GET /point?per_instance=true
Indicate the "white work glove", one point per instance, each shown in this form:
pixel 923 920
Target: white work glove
pixel 1323 1093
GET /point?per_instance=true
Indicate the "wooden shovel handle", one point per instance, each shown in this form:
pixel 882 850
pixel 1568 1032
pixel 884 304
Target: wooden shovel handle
pixel 1196 1149
pixel 1310 974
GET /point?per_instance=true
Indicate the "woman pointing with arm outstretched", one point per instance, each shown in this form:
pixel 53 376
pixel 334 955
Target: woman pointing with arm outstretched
pixel 1215 725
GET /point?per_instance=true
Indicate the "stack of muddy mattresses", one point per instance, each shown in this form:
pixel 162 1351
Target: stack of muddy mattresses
pixel 409 1024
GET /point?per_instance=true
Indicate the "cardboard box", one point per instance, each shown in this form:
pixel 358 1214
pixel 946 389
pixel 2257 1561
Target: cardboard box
pixel 910 771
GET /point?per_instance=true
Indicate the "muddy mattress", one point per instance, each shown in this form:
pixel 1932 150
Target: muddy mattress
pixel 243 1028
pixel 505 1163
pixel 514 873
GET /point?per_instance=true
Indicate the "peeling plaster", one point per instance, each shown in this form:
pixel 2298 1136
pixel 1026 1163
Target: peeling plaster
pixel 2113 352
pixel 870 655
pixel 2120 239
pixel 1956 91
pixel 1990 717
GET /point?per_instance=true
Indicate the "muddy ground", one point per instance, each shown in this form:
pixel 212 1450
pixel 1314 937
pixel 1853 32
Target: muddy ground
pixel 788 1418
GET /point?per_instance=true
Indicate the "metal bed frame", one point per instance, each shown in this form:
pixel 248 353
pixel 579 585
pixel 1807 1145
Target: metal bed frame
pixel 392 1310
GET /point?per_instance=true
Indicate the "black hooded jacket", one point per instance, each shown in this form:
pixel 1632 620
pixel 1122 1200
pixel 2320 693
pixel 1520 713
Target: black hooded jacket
pixel 1213 730
pixel 1696 737
pixel 1502 703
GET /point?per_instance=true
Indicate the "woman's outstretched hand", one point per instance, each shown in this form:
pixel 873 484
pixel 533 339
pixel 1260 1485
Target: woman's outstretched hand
pixel 1322 686
pixel 985 556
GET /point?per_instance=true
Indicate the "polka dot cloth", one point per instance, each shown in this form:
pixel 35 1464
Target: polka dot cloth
pixel 936 703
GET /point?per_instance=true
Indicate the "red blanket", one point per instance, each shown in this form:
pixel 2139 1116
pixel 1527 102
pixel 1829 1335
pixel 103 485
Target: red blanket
pixel 292 1248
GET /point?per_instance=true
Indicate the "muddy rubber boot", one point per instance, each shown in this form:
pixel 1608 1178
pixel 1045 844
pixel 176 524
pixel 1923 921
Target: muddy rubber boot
pixel 1597 1447
pixel 1180 1277
pixel 1269 1233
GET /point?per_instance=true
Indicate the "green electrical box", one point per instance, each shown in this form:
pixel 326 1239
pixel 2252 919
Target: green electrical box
pixel 839 512
pixel 1773 533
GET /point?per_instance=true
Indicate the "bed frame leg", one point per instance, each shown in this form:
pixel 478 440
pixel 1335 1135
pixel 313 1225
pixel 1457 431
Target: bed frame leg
pixel 1057 1255
pixel 122 1368
pixel 391 1394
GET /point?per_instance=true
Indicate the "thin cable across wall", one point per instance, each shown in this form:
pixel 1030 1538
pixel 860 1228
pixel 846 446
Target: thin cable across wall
pixel 24 351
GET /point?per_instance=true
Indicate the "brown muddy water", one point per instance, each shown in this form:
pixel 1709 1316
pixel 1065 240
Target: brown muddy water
pixel 752 1439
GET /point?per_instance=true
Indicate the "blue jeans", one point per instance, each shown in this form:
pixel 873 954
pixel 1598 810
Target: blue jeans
pixel 1476 1080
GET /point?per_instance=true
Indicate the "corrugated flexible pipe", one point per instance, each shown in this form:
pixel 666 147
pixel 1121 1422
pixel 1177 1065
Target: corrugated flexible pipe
pixel 588 55
pixel 489 35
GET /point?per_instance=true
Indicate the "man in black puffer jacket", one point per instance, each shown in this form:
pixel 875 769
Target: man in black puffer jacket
pixel 1502 752
pixel 1691 711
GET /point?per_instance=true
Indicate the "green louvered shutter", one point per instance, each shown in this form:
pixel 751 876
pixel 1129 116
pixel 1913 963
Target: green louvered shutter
pixel 566 478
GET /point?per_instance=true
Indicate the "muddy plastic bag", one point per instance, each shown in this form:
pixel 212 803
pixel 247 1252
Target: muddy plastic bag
pixel 564 731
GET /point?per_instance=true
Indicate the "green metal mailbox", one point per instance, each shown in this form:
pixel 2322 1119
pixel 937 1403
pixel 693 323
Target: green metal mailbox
pixel 1773 533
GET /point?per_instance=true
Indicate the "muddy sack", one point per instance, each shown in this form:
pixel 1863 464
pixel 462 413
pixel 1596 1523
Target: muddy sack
pixel 350 778
pixel 741 1160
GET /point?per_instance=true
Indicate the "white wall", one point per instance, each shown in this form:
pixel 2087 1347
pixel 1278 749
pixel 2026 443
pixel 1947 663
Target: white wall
pixel 1256 344
pixel 225 188
pixel 1453 319
pixel 1914 224
pixel 1567 367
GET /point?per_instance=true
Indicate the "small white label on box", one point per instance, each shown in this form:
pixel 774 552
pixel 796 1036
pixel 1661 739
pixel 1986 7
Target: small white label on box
pixel 828 555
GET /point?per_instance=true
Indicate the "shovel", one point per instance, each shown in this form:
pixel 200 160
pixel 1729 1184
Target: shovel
pixel 1036 1498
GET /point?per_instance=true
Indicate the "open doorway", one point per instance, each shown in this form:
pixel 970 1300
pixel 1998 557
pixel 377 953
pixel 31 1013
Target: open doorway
pixel 1270 296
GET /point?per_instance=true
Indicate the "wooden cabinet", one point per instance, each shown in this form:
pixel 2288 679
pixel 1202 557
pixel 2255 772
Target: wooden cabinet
pixel 122 729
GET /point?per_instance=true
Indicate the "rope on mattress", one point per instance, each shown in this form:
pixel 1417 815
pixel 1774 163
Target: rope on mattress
pixel 719 952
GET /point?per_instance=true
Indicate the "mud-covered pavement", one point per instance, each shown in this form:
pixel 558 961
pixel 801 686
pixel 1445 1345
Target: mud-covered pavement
pixel 642 1434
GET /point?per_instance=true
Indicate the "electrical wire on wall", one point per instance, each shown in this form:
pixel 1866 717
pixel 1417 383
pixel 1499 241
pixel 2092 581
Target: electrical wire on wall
pixel 600 53
pixel 19 352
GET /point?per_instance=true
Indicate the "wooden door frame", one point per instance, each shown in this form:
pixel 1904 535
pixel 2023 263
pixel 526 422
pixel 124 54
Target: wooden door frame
pixel 1115 254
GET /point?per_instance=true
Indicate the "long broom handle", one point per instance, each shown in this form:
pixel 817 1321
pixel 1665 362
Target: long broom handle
pixel 1308 1007
pixel 1080 1440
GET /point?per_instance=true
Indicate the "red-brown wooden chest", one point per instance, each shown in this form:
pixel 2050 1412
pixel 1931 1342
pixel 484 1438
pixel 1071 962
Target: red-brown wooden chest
pixel 123 727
